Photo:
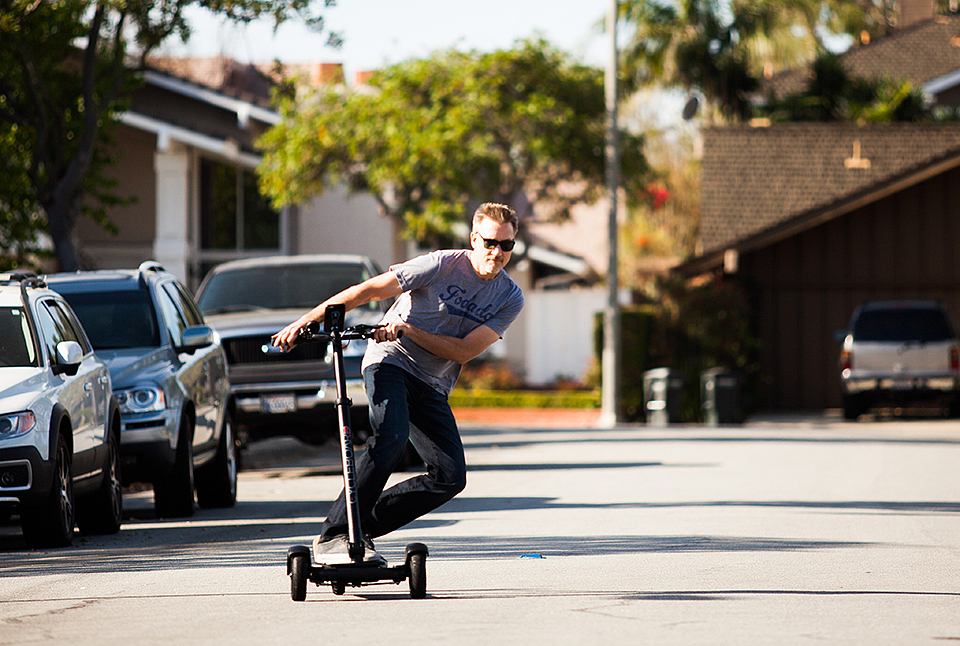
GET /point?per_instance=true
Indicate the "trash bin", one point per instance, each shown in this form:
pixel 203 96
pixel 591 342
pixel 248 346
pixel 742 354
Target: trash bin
pixel 661 396
pixel 720 397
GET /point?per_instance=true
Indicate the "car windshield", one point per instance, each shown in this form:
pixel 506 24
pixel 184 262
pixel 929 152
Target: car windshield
pixel 117 320
pixel 16 343
pixel 296 286
pixel 902 324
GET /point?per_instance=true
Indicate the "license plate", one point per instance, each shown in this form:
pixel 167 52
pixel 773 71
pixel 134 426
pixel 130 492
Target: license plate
pixel 278 403
pixel 902 384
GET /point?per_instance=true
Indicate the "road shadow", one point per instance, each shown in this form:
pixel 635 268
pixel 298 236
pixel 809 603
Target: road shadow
pixel 193 550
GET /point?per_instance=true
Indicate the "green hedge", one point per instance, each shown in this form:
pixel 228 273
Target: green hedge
pixel 471 398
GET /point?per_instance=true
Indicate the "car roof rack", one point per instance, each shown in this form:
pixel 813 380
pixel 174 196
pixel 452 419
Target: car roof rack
pixel 23 278
pixel 148 267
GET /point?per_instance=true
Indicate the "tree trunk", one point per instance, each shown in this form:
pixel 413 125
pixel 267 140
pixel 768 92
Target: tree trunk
pixel 60 224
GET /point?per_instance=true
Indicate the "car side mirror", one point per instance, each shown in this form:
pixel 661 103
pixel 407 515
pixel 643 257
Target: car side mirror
pixel 196 337
pixel 68 359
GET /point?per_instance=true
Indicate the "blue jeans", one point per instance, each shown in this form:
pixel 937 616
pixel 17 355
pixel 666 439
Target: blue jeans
pixel 402 407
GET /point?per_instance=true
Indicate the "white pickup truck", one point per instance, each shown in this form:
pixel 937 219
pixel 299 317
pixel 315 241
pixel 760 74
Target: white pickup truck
pixel 899 352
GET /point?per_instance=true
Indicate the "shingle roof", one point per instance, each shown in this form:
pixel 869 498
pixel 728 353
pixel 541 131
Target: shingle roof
pixel 920 53
pixel 755 180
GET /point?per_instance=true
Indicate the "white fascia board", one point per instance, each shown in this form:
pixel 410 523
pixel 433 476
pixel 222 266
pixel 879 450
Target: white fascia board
pixel 941 83
pixel 243 109
pixel 559 260
pixel 166 132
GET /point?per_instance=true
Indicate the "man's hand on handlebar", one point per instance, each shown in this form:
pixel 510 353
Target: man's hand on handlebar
pixel 287 337
pixel 389 332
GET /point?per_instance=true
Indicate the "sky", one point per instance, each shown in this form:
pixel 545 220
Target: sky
pixel 382 32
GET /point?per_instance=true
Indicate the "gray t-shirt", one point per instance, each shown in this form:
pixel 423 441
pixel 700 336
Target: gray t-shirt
pixel 443 294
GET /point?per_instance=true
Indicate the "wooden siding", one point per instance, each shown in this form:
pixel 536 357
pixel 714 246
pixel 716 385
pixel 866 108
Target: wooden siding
pixel 806 287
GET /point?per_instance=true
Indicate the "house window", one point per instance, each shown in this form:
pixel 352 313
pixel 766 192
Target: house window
pixel 234 216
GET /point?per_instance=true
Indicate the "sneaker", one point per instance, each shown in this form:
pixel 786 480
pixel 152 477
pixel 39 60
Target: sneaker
pixel 370 553
pixel 336 551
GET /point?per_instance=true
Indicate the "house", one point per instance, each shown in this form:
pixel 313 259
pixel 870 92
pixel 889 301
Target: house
pixel 812 219
pixel 188 157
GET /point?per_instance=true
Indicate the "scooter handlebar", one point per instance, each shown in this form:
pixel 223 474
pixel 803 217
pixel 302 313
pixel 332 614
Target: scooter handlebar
pixel 310 334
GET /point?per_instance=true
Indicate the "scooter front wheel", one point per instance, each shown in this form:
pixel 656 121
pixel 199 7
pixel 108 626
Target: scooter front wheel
pixel 417 565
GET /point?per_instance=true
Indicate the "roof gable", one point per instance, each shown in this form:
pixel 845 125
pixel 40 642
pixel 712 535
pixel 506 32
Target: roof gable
pixel 757 180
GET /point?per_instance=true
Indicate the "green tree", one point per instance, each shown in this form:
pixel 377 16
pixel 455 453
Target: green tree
pixel 429 137
pixel 722 48
pixel 690 44
pixel 66 67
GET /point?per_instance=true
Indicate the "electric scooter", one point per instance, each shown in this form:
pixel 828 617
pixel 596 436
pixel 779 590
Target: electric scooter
pixel 300 564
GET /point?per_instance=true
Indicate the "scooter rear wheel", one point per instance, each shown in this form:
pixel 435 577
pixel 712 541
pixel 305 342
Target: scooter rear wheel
pixel 299 567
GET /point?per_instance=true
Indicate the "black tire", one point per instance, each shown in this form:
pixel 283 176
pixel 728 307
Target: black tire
pixel 417 564
pixel 51 523
pixel 217 481
pixel 338 588
pixel 299 565
pixel 852 407
pixel 174 496
pixel 102 511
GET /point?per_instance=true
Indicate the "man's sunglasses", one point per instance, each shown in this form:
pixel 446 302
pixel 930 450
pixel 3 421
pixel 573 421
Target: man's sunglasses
pixel 506 245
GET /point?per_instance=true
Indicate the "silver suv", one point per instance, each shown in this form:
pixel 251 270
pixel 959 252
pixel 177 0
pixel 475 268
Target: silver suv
pixel 59 420
pixel 170 377
pixel 290 393
pixel 899 352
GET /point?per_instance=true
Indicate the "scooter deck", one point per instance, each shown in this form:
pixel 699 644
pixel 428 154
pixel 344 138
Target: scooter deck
pixel 356 573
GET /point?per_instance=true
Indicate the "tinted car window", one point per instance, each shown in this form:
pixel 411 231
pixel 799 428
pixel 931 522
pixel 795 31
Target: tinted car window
pixel 16 343
pixel 69 320
pixel 187 309
pixel 117 320
pixel 172 317
pixel 56 327
pixel 907 324
pixel 281 287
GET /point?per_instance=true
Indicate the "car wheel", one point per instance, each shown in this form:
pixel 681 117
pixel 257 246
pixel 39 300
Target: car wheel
pixel 217 481
pixel 102 511
pixel 50 524
pixel 173 497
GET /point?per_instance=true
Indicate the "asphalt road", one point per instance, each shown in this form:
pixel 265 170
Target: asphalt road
pixel 782 531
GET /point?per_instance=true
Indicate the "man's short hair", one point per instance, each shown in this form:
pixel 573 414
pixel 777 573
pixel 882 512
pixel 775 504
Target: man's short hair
pixel 499 213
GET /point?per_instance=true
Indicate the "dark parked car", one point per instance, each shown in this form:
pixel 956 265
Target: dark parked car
pixel 292 393
pixel 59 421
pixel 170 377
pixel 903 351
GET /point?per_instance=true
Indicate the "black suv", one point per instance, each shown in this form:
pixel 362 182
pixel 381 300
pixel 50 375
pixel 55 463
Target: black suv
pixel 170 377
pixel 291 393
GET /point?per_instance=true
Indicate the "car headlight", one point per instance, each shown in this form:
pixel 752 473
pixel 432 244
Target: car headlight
pixel 142 399
pixel 16 424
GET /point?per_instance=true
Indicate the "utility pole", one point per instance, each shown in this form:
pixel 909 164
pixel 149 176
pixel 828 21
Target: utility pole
pixel 610 377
